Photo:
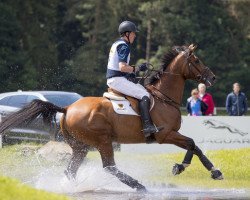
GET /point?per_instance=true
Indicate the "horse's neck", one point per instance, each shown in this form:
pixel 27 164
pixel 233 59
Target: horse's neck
pixel 171 85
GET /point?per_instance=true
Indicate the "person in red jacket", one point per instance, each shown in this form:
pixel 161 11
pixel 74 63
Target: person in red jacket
pixel 206 98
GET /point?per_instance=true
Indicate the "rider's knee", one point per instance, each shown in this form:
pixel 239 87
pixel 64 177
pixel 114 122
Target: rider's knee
pixel 145 97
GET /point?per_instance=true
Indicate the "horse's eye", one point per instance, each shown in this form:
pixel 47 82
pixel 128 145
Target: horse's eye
pixel 197 61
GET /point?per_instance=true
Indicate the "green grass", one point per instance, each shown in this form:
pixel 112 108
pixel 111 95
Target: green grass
pixel 234 165
pixel 11 189
pixel 16 163
pixel 155 168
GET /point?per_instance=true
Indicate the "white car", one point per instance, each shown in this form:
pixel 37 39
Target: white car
pixel 36 131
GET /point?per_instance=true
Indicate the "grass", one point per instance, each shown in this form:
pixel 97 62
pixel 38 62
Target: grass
pixel 15 162
pixel 234 165
pixel 12 189
pixel 155 168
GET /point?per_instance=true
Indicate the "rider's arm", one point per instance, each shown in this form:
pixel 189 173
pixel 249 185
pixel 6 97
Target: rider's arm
pixel 123 51
pixel 124 67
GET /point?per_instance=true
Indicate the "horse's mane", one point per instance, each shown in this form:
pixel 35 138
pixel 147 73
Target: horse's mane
pixel 165 61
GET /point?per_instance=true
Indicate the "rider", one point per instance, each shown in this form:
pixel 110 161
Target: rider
pixel 119 71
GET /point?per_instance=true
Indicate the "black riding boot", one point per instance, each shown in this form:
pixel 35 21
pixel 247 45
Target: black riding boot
pixel 148 126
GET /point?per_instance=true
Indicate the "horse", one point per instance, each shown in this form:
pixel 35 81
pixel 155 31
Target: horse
pixel 92 122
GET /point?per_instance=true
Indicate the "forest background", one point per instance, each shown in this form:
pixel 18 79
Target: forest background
pixel 64 44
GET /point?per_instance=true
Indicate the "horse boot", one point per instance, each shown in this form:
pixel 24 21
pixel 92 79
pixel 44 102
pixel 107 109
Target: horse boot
pixel 148 127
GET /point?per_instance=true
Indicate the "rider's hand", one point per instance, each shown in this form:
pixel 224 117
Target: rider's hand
pixel 143 67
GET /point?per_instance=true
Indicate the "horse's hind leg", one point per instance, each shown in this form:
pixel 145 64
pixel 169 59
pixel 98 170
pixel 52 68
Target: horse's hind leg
pixel 107 155
pixel 79 152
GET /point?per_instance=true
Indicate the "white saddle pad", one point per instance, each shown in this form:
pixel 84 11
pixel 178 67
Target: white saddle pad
pixel 123 107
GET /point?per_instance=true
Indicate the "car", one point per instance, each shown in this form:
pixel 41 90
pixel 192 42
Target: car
pixel 36 131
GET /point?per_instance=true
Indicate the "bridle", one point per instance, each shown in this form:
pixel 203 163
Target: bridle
pixel 202 75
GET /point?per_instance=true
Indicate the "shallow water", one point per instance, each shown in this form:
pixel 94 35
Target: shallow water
pixel 93 183
pixel 163 194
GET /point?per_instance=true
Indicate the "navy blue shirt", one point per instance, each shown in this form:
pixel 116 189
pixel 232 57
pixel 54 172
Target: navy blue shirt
pixel 236 104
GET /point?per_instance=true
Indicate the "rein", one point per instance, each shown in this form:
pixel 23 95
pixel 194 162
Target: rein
pixel 157 93
pixel 162 97
pixel 202 75
pixel 165 98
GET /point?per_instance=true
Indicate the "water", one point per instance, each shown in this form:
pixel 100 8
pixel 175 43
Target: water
pixel 94 183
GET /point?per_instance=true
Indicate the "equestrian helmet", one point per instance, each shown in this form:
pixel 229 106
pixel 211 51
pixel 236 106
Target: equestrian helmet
pixel 127 26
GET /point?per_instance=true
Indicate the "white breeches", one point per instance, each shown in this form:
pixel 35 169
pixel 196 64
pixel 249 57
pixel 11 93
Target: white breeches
pixel 121 84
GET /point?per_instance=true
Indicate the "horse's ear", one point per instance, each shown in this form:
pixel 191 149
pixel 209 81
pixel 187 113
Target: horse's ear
pixel 192 47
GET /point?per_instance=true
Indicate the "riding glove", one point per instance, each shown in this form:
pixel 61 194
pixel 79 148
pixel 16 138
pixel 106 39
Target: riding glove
pixel 143 67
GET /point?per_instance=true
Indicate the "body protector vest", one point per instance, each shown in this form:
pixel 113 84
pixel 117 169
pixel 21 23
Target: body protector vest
pixel 113 62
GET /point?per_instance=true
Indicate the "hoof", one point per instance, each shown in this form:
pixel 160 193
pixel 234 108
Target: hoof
pixel 141 189
pixel 177 169
pixel 216 175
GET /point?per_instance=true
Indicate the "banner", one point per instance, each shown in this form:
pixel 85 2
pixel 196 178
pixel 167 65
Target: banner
pixel 208 132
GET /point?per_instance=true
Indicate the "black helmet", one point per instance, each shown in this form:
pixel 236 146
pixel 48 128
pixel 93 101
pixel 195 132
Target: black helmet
pixel 127 26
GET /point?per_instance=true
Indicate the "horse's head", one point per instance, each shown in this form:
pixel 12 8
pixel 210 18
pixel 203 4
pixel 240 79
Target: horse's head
pixel 181 62
pixel 195 69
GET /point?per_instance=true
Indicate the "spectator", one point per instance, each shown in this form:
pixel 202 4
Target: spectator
pixel 236 102
pixel 195 107
pixel 206 98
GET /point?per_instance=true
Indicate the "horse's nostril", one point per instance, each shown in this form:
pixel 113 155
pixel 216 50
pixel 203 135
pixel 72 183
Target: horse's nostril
pixel 213 78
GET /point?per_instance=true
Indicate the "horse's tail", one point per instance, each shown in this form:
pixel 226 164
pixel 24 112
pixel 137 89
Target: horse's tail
pixel 28 113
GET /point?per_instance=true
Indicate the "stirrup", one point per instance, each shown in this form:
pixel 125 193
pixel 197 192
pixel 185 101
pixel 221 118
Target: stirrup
pixel 158 129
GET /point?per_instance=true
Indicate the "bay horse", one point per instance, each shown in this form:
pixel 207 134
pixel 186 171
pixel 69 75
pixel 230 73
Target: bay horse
pixel 92 122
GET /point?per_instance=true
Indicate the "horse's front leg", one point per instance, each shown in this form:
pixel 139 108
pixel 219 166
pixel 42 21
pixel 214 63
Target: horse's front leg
pixel 188 144
pixel 179 168
pixel 107 155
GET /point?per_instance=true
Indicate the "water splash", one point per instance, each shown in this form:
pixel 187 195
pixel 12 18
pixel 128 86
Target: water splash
pixel 90 177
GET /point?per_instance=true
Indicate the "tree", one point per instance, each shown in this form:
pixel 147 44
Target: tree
pixel 64 45
pixel 11 61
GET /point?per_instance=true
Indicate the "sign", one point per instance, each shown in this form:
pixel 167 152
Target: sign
pixel 208 132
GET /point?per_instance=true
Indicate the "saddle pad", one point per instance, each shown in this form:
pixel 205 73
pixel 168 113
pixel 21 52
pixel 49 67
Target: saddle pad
pixel 123 107
pixel 111 95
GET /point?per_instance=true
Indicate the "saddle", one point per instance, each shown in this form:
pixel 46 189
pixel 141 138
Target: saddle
pixel 117 96
pixel 119 102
